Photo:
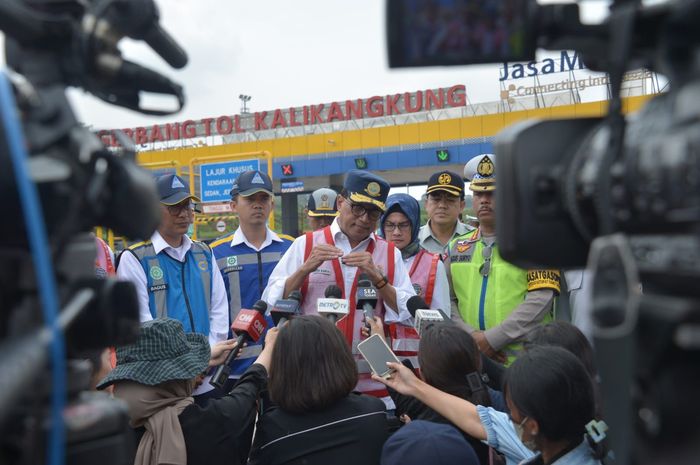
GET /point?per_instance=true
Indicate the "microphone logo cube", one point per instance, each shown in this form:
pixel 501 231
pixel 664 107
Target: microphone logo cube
pixel 367 293
pixel 332 305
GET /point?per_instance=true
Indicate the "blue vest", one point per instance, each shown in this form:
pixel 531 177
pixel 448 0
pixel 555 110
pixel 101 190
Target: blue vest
pixel 180 290
pixel 245 272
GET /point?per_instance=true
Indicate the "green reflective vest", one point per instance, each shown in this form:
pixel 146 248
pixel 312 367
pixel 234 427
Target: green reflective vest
pixel 486 301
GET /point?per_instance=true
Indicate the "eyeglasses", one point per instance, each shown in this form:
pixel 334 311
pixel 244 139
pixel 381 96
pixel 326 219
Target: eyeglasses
pixel 485 268
pixel 187 207
pixel 358 210
pixel 441 197
pixel 400 226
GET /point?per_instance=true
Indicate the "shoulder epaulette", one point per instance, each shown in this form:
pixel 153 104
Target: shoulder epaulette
pixel 138 245
pixel 218 242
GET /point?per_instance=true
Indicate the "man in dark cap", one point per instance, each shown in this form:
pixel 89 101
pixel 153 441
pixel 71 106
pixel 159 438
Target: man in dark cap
pixel 175 276
pixel 341 254
pixel 321 208
pixel 444 202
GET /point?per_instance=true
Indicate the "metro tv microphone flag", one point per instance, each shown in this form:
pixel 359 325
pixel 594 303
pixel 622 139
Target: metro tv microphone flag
pixel 332 306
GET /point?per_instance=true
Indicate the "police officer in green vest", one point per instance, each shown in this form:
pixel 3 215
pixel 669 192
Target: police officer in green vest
pixel 495 301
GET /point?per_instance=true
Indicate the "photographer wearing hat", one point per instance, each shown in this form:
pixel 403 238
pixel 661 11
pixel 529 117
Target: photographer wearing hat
pixel 338 254
pixel 174 276
pixel 247 257
pixel 444 202
pixel 155 377
pixel 498 303
pixel 321 208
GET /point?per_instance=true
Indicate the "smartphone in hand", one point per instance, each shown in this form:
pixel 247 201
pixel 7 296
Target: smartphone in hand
pixel 376 351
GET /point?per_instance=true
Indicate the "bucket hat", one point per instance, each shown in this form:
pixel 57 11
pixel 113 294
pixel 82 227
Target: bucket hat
pixel 163 352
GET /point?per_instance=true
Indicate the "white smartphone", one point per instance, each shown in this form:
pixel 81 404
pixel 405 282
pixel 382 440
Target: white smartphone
pixel 376 351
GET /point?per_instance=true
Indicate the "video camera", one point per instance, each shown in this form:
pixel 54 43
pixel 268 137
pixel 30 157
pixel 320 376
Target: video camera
pixel 58 182
pixel 622 193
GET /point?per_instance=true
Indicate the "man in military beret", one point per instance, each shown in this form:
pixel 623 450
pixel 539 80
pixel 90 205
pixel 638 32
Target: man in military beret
pixel 343 253
pixel 444 202
pixel 495 301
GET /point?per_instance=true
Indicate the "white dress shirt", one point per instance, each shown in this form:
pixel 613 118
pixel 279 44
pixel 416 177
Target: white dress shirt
pixel 294 258
pixel 441 292
pixel 131 270
pixel 239 238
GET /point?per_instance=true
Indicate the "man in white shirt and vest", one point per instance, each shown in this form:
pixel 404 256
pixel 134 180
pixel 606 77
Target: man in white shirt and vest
pixel 339 254
pixel 174 276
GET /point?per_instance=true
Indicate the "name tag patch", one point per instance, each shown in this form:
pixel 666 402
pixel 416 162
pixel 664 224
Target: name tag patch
pixel 158 287
pixel 322 271
pixel 232 269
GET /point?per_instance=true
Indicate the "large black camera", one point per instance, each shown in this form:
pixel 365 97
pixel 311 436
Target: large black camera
pixel 622 193
pixel 58 182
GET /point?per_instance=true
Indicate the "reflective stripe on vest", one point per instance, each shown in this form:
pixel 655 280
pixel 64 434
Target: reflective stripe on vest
pixel 405 339
pixel 232 265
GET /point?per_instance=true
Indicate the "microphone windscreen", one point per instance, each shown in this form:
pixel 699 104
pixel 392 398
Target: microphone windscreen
pixel 296 295
pixel 260 306
pixel 415 303
pixel 333 292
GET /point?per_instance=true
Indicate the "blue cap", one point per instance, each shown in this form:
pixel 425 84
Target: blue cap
pixel 421 442
pixel 251 182
pixel 172 189
pixel 365 187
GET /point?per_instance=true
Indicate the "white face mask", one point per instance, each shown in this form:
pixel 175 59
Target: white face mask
pixel 520 430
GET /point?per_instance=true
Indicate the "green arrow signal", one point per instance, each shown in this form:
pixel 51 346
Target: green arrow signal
pixel 443 155
pixel 361 163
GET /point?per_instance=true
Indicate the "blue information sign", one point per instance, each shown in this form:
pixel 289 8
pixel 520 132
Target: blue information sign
pixel 216 178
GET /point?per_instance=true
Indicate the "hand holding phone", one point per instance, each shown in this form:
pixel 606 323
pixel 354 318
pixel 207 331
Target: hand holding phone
pixel 377 353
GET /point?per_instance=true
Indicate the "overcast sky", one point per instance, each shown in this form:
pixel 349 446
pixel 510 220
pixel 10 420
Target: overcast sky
pixel 282 53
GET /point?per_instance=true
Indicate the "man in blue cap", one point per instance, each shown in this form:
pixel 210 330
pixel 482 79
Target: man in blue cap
pixel 247 257
pixel 175 276
pixel 342 253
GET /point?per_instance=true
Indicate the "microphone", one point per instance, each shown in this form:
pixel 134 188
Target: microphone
pixel 419 310
pixel 249 325
pixel 366 297
pixel 284 309
pixel 332 305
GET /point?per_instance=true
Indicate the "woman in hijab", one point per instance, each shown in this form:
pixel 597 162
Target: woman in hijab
pixel 400 224
pixel 156 377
